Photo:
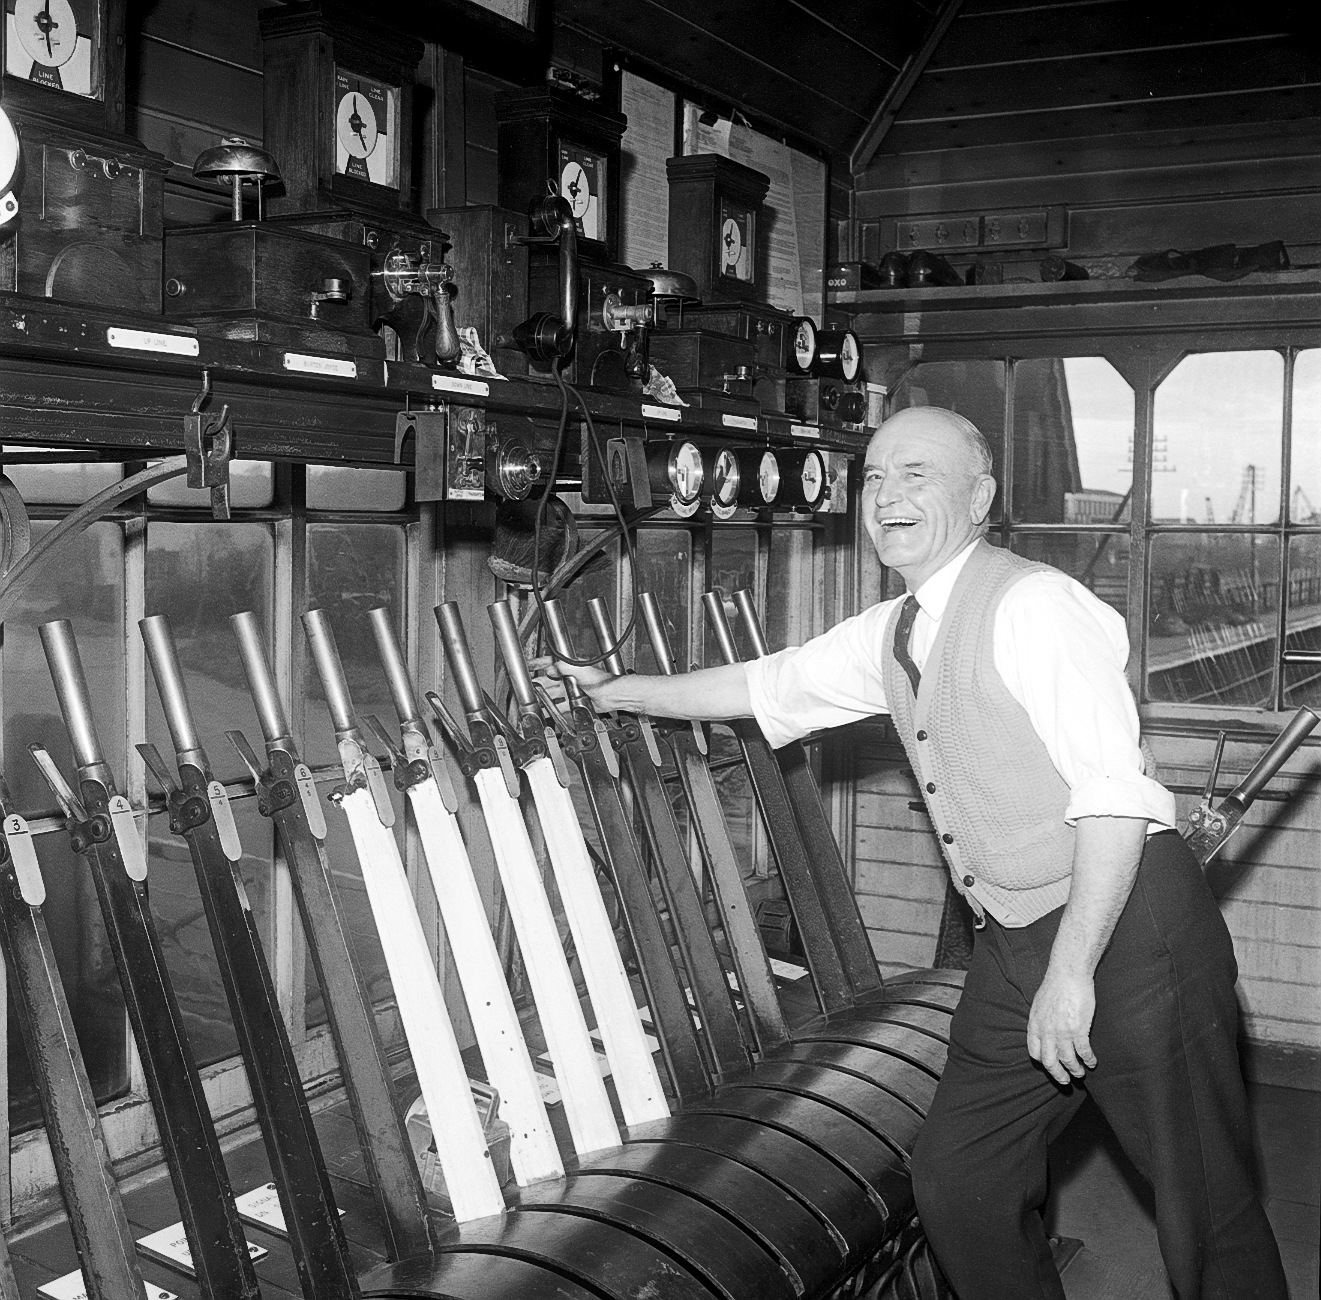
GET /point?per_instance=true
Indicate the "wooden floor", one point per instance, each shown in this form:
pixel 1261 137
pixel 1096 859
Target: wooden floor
pixel 1096 1196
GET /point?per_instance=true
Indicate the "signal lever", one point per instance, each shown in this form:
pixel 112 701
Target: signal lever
pixel 1209 828
pixel 546 338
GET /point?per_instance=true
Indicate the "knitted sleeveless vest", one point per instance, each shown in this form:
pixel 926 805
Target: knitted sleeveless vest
pixel 993 794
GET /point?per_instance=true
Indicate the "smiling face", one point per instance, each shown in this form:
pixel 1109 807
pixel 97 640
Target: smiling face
pixel 926 490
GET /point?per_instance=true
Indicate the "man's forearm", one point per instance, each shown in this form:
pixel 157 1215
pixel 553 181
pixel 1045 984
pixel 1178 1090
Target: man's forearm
pixel 1107 851
pixel 709 694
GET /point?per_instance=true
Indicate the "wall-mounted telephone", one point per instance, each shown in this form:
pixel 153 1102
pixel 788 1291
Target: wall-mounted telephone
pixel 548 338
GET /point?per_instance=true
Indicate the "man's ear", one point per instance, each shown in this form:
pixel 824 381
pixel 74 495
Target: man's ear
pixel 983 493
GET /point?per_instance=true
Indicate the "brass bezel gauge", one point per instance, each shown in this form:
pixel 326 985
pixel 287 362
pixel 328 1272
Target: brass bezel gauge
pixel 802 479
pixel 678 468
pixel 366 112
pixel 744 478
pixel 726 482
pixel 838 356
pixel 801 353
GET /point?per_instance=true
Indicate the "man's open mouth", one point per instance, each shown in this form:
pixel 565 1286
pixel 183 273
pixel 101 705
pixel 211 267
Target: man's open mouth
pixel 900 521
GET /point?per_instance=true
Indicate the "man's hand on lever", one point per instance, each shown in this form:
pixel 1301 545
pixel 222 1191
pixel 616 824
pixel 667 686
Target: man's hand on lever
pixel 707 694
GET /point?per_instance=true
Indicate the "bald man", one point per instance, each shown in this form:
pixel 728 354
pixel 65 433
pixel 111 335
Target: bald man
pixel 1101 963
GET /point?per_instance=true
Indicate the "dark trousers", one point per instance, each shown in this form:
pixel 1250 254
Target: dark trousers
pixel 1167 1080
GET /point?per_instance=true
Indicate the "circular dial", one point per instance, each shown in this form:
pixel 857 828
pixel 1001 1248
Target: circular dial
pixel 731 244
pixel 849 356
pixel 725 478
pixel 576 188
pixel 47 30
pixel 804 353
pixel 768 477
pixel 355 123
pixel 686 472
pixel 813 478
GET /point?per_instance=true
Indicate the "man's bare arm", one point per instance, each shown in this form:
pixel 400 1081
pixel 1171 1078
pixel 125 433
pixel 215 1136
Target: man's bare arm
pixel 1107 851
pixel 708 694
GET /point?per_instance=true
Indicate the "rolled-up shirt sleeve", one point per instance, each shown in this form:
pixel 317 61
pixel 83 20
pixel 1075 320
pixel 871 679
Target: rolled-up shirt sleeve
pixel 831 680
pixel 1061 653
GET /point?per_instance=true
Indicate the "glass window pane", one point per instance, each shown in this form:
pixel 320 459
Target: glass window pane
pixel 665 568
pixel 1073 431
pixel 1302 682
pixel 794 616
pixel 84 583
pixel 335 487
pixel 733 568
pixel 1217 439
pixel 251 487
pixel 1305 488
pixel 1099 563
pixel 351 569
pixel 975 389
pixel 198 574
pixel 1211 623
pixel 59 484
pixel 604 576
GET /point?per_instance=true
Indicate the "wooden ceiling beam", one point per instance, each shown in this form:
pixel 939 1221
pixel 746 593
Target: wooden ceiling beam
pixel 883 119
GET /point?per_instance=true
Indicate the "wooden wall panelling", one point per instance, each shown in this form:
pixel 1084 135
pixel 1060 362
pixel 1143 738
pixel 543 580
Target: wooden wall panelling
pixel 480 90
pixel 1145 113
pixel 194 76
pixel 1101 80
pixel 984 35
pixel 440 103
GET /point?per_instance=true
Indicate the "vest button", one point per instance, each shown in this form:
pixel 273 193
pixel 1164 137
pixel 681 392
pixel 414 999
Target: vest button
pixel 921 735
pixel 931 787
pixel 969 881
pixel 948 838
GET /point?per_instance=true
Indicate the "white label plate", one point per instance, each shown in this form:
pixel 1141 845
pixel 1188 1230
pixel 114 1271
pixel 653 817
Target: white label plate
pixel 787 970
pixel 72 1287
pixel 126 834
pixel 170 1246
pixel 339 367
pixel 671 413
pixel 261 1207
pixel 454 384
pixel 24 854
pixel 179 345
pixel 224 819
pixel 316 818
pixel 805 430
pixel 739 422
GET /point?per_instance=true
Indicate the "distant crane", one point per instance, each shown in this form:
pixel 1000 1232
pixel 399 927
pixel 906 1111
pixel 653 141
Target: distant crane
pixel 1247 496
pixel 1302 511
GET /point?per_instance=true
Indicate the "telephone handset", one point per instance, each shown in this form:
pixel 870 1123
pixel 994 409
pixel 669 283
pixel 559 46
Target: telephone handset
pixel 544 337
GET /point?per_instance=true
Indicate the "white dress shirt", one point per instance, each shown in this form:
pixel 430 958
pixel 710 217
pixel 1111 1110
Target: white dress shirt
pixel 1059 651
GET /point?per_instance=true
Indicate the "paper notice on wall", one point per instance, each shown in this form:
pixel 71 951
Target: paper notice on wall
pixel 740 142
pixel 645 193
pixel 809 184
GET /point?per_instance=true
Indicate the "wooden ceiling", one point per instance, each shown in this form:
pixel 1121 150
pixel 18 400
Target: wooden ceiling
pixel 815 71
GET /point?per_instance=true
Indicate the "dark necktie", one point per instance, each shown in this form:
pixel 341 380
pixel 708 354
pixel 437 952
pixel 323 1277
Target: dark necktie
pixel 902 630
